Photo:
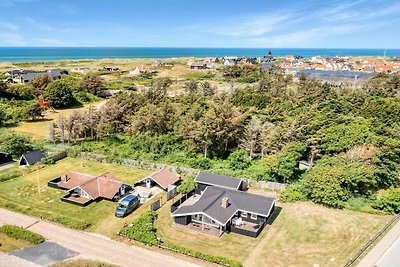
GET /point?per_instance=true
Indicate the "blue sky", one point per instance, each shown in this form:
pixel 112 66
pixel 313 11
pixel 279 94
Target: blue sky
pixel 202 23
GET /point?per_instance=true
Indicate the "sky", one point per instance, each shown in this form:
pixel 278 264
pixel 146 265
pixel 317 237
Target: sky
pixel 201 23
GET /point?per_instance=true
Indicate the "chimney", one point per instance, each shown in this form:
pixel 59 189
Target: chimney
pixel 225 202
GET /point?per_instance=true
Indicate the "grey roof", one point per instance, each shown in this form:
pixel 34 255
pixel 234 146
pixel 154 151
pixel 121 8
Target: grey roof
pixel 210 204
pixel 55 74
pixel 33 157
pixel 218 180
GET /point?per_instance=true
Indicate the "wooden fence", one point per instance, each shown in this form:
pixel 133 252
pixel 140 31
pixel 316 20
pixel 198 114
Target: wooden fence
pixel 371 241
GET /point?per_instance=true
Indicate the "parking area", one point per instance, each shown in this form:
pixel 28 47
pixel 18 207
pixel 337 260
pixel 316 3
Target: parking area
pixel 45 254
pixel 147 193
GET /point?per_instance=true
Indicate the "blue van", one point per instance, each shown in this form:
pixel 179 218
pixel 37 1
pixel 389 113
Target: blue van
pixel 127 205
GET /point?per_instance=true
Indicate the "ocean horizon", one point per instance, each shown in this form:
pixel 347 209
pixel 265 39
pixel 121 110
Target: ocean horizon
pixel 38 54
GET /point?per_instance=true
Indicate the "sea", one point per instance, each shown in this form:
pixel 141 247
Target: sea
pixel 39 54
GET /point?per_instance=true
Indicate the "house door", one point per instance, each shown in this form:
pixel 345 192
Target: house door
pixel 148 183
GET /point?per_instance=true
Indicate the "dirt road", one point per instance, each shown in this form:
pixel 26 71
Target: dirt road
pixel 92 246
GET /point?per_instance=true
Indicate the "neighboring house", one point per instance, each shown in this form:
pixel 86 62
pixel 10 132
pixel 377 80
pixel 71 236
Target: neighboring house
pixel 54 74
pixel 162 178
pixel 83 189
pixel 230 62
pixel 31 158
pixel 5 158
pixel 198 65
pixel 222 207
pixel 81 70
pixel 203 180
pixel 157 63
pixel 251 60
pixel 107 68
pixel 141 69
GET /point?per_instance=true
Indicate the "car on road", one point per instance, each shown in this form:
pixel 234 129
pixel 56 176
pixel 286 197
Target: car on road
pixel 127 205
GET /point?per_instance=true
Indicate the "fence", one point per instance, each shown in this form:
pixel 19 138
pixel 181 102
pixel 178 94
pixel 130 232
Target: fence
pixel 372 240
pixel 138 163
pixel 177 203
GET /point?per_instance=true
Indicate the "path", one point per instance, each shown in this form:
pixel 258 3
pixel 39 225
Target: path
pixel 93 246
pixel 377 252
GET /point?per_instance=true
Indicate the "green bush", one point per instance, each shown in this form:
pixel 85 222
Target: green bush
pixel 143 229
pixel 187 185
pixel 21 234
pixel 9 175
pixel 292 193
pixel 389 202
pixel 211 258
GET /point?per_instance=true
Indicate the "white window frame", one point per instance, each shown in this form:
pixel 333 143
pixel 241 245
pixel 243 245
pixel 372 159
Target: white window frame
pixel 253 216
pixel 244 214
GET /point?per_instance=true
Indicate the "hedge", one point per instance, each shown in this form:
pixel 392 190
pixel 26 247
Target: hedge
pixel 199 255
pixel 21 234
pixel 143 229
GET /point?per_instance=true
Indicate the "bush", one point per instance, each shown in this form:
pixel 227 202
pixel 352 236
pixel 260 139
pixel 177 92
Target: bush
pixel 214 259
pixel 9 175
pixel 292 193
pixel 389 201
pixel 21 234
pixel 47 161
pixel 143 229
pixel 187 185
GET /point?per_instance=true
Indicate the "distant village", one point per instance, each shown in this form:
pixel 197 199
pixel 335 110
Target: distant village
pixel 316 66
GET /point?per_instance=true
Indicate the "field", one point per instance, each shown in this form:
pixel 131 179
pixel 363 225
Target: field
pixel 21 194
pixel 39 129
pixel 302 234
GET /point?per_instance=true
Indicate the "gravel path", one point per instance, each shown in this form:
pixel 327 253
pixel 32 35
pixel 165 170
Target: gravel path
pixel 91 246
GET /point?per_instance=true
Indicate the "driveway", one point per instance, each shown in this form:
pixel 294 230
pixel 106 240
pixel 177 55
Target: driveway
pixel 93 246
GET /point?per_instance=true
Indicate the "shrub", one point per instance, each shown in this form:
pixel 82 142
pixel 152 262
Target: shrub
pixel 292 193
pixel 187 185
pixel 9 175
pixel 21 234
pixel 389 201
pixel 143 229
pixel 211 258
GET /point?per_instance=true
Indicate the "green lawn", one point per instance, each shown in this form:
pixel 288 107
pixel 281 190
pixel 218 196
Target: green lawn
pixel 82 263
pixel 21 194
pixel 303 234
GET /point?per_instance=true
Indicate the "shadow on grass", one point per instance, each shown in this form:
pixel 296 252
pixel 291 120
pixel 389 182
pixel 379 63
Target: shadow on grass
pixel 274 215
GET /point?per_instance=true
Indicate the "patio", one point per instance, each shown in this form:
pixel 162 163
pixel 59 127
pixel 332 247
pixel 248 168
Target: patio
pixel 209 230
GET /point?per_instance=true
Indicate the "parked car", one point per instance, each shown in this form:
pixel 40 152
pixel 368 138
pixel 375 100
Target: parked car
pixel 127 205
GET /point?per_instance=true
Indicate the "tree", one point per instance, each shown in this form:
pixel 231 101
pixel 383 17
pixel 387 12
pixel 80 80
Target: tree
pixel 59 93
pixel 39 84
pixel 33 111
pixel 92 83
pixel 15 144
pixel 238 160
pixel 251 140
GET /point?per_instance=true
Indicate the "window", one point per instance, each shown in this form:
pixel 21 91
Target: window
pixel 254 216
pixel 243 215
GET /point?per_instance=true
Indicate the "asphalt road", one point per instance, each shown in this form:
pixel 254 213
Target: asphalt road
pixel 371 259
pixel 93 246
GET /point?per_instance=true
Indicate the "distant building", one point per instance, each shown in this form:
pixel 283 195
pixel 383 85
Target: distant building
pixel 29 76
pixel 198 65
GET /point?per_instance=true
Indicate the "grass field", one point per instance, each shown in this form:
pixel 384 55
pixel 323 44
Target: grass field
pixel 8 244
pixel 302 234
pixel 21 194
pixel 39 129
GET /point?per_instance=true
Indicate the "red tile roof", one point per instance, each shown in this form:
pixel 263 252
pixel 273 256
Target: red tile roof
pixel 105 185
pixel 164 177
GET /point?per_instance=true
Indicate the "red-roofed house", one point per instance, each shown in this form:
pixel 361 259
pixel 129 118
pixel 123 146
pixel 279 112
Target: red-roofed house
pixel 162 178
pixel 84 189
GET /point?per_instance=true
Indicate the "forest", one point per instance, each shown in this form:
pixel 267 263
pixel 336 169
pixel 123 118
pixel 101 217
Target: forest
pixel 349 137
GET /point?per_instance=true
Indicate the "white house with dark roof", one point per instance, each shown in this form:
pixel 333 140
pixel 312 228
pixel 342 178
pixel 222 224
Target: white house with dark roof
pixel 218 205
